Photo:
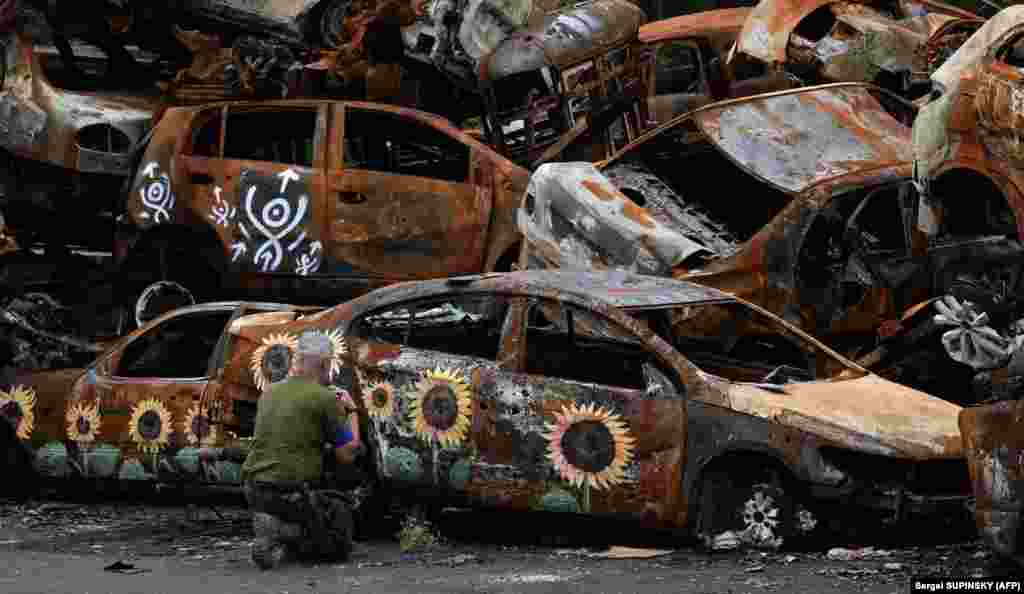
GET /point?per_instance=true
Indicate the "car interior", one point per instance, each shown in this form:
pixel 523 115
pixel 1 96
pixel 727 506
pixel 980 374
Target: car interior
pixel 180 347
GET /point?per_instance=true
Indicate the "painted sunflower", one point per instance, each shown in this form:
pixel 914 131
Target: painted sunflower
pixel 19 404
pixel 380 400
pixel 150 425
pixel 441 407
pixel 589 446
pixel 83 422
pixel 272 360
pixel 198 429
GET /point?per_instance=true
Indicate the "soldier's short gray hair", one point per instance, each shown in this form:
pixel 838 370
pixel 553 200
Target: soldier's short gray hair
pixel 314 342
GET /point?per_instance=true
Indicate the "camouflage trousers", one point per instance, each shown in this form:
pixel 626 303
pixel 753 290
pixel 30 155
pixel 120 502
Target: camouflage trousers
pixel 312 522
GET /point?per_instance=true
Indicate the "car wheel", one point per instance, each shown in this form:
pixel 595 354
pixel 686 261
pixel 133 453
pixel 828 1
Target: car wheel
pixel 750 513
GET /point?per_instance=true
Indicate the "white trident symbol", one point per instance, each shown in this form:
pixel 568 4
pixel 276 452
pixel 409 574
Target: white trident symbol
pixel 275 215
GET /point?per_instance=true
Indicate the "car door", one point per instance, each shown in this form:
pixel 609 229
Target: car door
pixel 405 201
pixel 585 418
pixel 999 98
pixel 417 368
pixel 256 176
pixel 149 392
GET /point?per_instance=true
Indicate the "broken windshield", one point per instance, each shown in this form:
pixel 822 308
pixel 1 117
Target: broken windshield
pixel 739 343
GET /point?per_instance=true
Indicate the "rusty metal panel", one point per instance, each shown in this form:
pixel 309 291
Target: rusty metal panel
pixel 795 140
pixel 993 438
pixel 581 215
pixel 869 414
pixel 565 38
pixel 709 23
pixel 971 53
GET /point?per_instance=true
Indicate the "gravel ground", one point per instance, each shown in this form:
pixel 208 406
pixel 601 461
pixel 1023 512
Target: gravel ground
pixel 177 543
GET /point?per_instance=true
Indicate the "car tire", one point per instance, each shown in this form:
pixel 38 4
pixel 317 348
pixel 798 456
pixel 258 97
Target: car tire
pixel 190 276
pixel 754 513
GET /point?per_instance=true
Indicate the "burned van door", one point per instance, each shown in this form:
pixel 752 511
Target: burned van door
pixel 402 201
pixel 271 199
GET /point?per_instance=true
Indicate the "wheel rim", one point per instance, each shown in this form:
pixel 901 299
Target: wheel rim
pixel 761 517
pixel 161 297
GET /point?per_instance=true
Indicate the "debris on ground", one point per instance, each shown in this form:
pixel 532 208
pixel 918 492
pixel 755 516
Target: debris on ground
pixel 630 553
pixel 841 554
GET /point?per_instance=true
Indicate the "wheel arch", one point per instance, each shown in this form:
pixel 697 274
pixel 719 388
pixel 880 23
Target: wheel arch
pixel 746 457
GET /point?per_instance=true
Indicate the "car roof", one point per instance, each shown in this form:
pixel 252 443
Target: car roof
pixel 620 289
pixel 799 138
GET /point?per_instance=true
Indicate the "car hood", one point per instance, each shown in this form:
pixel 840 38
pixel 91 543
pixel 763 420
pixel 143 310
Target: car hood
pixel 867 413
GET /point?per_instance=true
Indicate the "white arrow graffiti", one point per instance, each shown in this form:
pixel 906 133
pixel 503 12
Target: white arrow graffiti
pixel 150 169
pixel 238 249
pixel 223 213
pixel 315 247
pixel 286 176
pixel 276 215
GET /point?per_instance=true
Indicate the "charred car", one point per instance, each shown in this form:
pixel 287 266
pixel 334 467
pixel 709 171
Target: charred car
pixel 316 199
pixel 690 70
pixel 608 394
pixel 890 43
pixel 813 215
pixel 66 154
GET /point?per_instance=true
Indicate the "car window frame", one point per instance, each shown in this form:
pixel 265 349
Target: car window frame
pixel 117 351
pixel 319 146
pixel 423 123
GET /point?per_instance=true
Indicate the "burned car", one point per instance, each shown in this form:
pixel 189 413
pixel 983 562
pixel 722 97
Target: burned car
pixel 826 41
pixel 318 199
pixel 66 154
pixel 689 63
pixel 814 214
pixel 608 394
pixel 993 444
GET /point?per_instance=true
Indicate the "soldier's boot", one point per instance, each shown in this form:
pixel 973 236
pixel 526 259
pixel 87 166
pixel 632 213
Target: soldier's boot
pixel 270 548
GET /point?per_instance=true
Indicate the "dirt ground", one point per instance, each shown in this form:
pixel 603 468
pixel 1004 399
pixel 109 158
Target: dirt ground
pixel 182 544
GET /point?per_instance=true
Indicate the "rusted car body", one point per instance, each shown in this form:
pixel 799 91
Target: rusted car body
pixel 549 81
pixel 993 445
pixel 552 390
pixel 65 154
pixel 828 41
pixel 689 70
pixel 320 199
pixel 967 138
pixel 813 215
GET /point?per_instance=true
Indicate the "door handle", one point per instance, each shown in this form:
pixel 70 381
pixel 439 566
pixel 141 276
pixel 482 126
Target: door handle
pixel 201 179
pixel 352 197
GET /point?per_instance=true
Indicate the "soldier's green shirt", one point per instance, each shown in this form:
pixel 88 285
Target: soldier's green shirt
pixel 295 418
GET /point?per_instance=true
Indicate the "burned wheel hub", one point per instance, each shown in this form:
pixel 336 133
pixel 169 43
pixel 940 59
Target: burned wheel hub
pixel 589 446
pixel 440 408
pixel 761 520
